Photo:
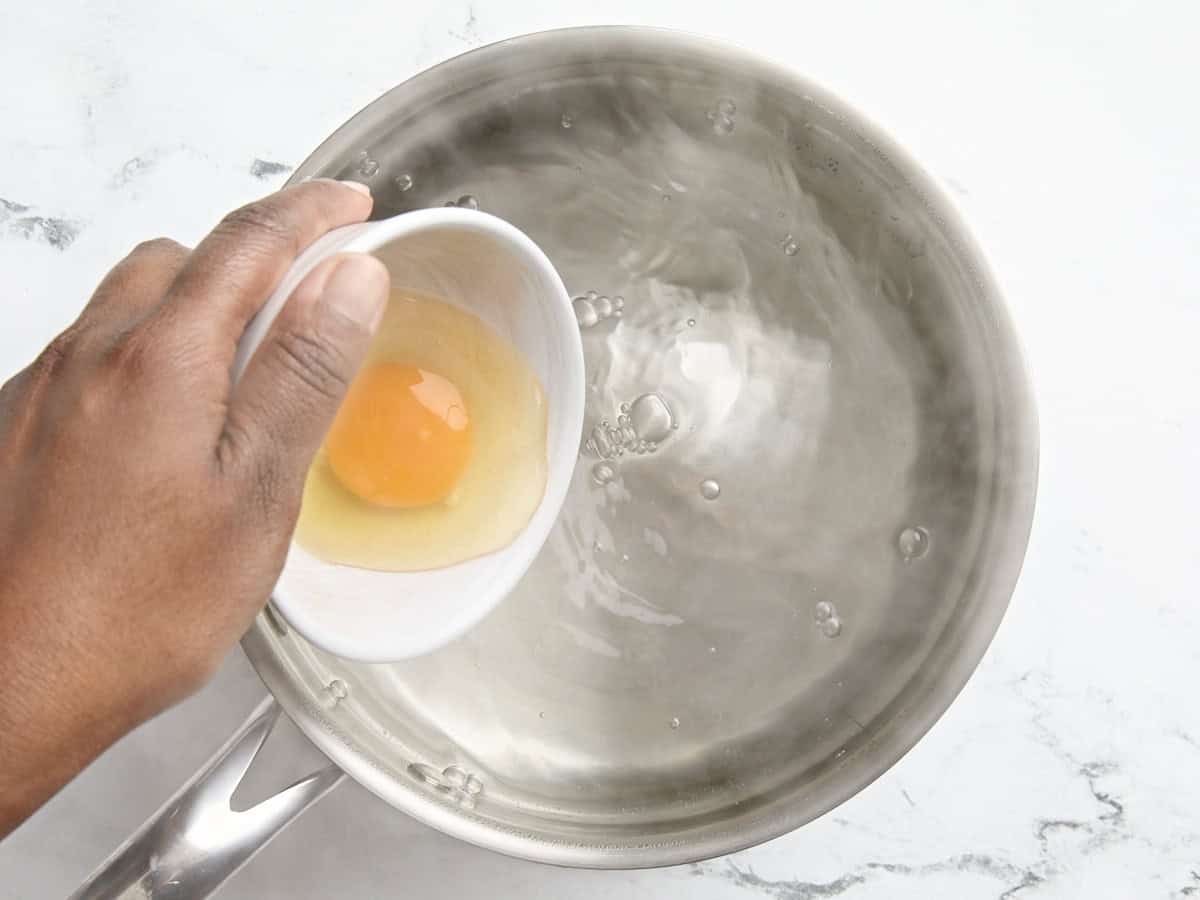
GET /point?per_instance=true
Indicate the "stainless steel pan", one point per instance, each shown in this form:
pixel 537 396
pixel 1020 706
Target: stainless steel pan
pixel 744 620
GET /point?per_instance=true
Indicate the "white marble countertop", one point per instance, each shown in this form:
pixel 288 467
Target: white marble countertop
pixel 1068 131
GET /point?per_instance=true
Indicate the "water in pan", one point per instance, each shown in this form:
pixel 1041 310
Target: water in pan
pixel 773 396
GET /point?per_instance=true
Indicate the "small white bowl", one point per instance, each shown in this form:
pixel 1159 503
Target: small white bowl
pixel 482 264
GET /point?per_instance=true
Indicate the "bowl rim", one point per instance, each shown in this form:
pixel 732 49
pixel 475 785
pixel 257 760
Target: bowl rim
pixel 378 642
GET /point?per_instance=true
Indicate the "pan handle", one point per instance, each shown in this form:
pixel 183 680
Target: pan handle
pixel 196 841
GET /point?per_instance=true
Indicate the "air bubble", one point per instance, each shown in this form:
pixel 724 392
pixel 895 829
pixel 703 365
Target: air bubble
pixel 337 690
pixel 593 295
pixel 675 722
pixel 403 182
pixel 651 417
pixel 454 776
pixel 691 323
pixel 367 165
pixel 604 307
pixel 618 302
pixel 913 543
pixel 603 473
pixel 567 120
pixel 624 408
pixel 721 116
pixel 467 201
pixel 585 313
pixel 790 247
pixel 831 627
pixel 710 489
pixel 824 611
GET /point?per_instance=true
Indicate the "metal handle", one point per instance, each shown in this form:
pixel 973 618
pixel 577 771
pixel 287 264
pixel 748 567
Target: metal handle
pixel 196 841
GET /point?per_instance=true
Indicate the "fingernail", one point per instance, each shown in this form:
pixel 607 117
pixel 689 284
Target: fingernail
pixel 357 186
pixel 357 288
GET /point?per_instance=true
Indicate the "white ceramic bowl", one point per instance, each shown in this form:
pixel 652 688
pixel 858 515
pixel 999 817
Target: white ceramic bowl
pixel 479 263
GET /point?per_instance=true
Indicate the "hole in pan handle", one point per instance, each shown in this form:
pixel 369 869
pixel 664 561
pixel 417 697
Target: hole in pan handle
pixel 196 841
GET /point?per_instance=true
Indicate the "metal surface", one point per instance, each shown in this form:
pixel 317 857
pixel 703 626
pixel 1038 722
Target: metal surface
pixel 197 841
pixel 854 428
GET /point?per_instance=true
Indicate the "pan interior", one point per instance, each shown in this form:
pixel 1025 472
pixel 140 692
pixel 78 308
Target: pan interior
pixel 749 597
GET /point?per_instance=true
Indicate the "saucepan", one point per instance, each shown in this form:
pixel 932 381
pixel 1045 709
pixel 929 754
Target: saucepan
pixel 802 498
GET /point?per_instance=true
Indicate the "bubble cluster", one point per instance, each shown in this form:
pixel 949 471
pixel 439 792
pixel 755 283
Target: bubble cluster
pixel 603 473
pixel 456 783
pixel 592 308
pixel 367 164
pixel 825 615
pixel 721 116
pixel 337 691
pixel 912 542
pixel 642 424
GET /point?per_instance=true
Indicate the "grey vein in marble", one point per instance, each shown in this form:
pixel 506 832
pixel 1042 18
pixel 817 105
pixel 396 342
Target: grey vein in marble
pixel 59 233
pixel 134 169
pixel 263 169
pixel 1013 878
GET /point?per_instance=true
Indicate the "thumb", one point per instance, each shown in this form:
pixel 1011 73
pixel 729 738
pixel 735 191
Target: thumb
pixel 290 392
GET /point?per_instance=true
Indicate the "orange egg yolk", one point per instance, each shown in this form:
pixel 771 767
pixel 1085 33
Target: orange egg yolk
pixel 402 437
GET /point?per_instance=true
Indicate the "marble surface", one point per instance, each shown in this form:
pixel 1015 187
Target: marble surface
pixel 1067 132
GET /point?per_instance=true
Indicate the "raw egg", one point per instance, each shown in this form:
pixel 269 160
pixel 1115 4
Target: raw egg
pixel 438 453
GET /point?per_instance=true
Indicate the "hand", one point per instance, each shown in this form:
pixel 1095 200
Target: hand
pixel 146 506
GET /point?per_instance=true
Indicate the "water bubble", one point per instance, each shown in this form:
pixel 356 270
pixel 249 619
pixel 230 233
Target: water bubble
pixel 467 201
pixel 824 611
pixel 913 543
pixel 603 473
pixel 675 722
pixel 651 417
pixel 403 182
pixel 367 165
pixel 604 307
pixel 710 489
pixel 722 125
pixel 567 120
pixel 585 313
pixel 790 247
pixel 721 116
pixel 337 690
pixel 831 627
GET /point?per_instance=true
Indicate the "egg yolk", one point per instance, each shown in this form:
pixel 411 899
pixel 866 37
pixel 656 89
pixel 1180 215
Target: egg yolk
pixel 401 438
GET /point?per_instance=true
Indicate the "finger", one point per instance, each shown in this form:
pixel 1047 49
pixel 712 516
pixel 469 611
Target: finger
pixel 296 380
pixel 135 286
pixel 233 270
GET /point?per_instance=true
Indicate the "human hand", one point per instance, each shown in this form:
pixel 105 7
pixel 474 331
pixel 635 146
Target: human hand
pixel 146 504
